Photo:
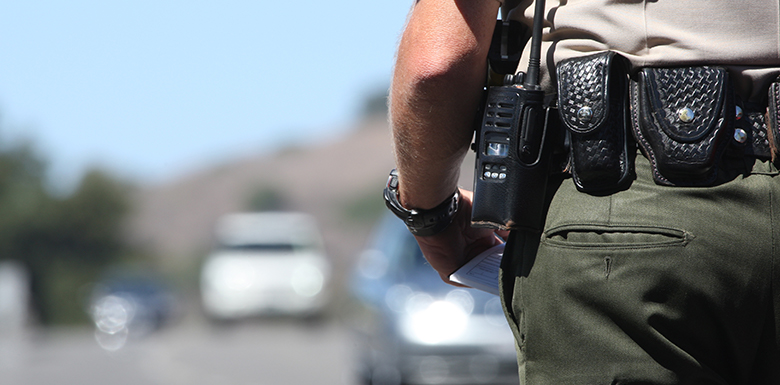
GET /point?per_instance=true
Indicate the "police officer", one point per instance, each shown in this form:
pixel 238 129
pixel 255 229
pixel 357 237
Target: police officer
pixel 649 284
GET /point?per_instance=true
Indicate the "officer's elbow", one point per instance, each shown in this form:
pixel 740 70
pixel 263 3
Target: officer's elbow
pixel 441 68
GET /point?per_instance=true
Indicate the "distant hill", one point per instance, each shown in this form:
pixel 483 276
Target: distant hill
pixel 331 181
pixel 339 182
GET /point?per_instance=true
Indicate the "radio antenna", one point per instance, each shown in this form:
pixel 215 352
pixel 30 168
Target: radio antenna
pixel 534 58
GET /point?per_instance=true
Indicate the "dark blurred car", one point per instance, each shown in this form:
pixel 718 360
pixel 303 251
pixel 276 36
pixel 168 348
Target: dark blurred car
pixel 130 304
pixel 415 329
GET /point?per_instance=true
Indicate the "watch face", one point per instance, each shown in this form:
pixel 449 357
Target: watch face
pixel 391 197
pixel 392 180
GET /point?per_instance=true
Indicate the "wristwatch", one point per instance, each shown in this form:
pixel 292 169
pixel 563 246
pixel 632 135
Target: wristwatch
pixel 422 223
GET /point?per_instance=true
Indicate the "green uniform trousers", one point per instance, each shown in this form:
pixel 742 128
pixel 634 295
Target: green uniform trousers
pixel 652 284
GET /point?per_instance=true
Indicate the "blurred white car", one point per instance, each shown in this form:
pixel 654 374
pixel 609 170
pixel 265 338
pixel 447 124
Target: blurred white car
pixel 265 263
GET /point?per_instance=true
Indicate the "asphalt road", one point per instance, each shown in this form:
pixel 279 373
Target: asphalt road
pixel 264 352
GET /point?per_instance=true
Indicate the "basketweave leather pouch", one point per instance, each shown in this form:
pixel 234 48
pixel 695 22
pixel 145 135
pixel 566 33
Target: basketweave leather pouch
pixel 773 118
pixel 681 118
pixel 592 103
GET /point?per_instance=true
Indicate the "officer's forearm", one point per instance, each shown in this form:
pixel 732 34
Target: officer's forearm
pixel 436 89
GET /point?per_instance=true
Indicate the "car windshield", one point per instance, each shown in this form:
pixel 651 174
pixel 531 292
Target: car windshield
pixel 265 247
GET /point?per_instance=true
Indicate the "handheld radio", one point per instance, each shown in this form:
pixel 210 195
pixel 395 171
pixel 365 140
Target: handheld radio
pixel 512 155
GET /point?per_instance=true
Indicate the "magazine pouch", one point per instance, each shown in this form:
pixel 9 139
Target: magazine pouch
pixel 773 118
pixel 592 103
pixel 681 118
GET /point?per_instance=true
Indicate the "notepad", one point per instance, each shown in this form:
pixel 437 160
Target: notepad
pixel 482 271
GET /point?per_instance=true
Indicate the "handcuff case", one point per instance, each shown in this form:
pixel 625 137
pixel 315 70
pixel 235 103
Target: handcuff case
pixel 681 118
pixel 592 103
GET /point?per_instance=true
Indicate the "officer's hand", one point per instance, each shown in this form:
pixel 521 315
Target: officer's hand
pixel 459 242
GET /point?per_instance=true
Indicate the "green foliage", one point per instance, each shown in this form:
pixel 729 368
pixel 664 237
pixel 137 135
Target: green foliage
pixel 89 222
pixel 376 104
pixel 23 202
pixel 63 242
pixel 64 294
pixel 364 209
pixel 267 198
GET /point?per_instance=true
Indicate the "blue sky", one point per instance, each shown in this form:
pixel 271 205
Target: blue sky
pixel 156 89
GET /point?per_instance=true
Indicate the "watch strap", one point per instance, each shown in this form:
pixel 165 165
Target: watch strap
pixel 420 222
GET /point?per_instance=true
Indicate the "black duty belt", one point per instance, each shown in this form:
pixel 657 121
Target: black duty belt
pixel 684 119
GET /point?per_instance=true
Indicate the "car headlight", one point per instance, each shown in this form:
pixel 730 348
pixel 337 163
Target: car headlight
pixel 307 280
pixel 428 321
pixel 112 314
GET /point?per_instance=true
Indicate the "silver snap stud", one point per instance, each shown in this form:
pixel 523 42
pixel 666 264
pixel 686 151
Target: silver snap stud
pixel 685 114
pixel 740 135
pixel 584 114
pixel 739 113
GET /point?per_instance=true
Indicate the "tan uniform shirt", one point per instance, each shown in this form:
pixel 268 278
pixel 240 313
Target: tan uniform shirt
pixel 742 35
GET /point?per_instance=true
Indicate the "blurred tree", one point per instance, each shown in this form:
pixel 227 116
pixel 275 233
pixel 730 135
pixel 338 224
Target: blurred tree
pixel 63 242
pixel 88 223
pixel 266 198
pixel 375 104
pixel 363 209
